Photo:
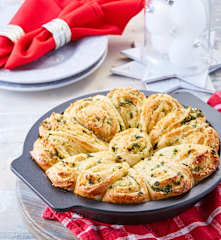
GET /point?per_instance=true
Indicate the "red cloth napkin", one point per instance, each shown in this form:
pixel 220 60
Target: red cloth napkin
pixel 200 222
pixel 95 17
pixel 31 15
pixel 215 101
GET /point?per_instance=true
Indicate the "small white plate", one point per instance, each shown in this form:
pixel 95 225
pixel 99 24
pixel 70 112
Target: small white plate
pixel 67 61
pixel 55 84
pixel 70 60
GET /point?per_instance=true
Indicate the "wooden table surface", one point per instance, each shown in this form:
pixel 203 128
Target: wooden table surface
pixel 18 112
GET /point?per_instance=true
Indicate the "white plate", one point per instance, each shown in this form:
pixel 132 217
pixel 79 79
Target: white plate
pixel 55 84
pixel 67 61
pixel 70 60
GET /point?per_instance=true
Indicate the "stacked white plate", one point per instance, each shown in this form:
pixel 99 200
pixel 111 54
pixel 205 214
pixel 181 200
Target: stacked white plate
pixel 59 68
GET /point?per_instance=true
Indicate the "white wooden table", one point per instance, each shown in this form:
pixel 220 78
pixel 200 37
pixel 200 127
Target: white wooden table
pixel 18 112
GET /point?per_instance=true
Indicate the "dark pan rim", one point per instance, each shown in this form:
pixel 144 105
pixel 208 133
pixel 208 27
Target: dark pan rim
pixel 57 199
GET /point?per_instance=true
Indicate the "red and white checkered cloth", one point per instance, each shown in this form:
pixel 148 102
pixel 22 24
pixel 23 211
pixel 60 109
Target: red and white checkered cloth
pixel 200 222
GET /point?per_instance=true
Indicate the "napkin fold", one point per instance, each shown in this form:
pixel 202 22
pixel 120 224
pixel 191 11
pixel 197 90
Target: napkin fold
pixel 200 222
pixel 95 17
pixel 31 15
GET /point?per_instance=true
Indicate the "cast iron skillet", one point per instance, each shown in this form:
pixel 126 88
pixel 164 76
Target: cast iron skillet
pixel 30 173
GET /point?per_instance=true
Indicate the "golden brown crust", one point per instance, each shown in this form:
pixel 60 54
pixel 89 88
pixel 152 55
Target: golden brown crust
pixel 155 108
pixel 164 179
pixel 94 182
pixel 97 114
pixel 59 126
pixel 129 189
pixel 64 173
pixel 54 122
pixel 128 102
pixel 202 160
pixel 131 146
pixel 193 132
pixel 174 120
pixel 166 149
pixel 44 153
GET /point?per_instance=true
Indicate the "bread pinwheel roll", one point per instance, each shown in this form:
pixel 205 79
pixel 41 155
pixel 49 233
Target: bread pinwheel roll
pixel 64 173
pixel 174 120
pixel 130 189
pixel 58 125
pixel 131 146
pixel 128 102
pixel 193 132
pixel 163 178
pixel 155 108
pixel 44 153
pixel 97 114
pixel 94 182
pixel 201 160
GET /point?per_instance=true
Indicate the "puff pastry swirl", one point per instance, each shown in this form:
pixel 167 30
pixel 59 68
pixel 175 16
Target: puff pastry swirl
pixel 97 114
pixel 126 148
pixel 129 104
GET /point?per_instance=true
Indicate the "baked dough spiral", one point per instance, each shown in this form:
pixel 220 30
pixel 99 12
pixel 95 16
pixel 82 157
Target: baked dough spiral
pixel 126 148
pixel 97 114
pixel 164 179
pixel 200 159
pixel 131 146
pixel 129 104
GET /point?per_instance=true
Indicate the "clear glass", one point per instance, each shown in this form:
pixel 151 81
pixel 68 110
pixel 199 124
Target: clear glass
pixel 177 36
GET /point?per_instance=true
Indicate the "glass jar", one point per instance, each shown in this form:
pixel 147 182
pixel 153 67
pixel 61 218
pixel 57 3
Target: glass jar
pixel 177 36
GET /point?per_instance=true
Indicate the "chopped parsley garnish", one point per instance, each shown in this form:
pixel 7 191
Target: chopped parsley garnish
pixel 175 151
pixel 133 147
pixel 90 180
pixel 138 137
pixel 167 189
pixel 188 119
pixel 156 183
pixel 196 169
pixel 213 152
pixel 180 174
pixel 176 183
pixel 113 149
pixel 126 102
pixel 155 146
